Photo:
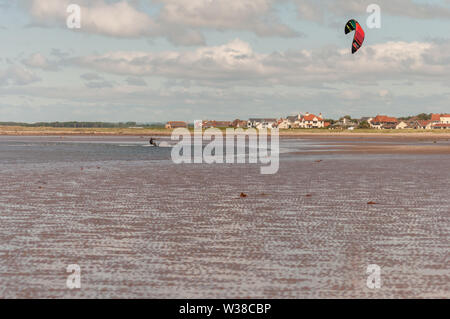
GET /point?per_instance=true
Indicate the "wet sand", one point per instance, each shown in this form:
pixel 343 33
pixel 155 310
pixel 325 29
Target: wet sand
pixel 147 228
pixel 382 144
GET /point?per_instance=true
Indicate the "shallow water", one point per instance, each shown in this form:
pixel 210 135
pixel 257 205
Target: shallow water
pixel 140 226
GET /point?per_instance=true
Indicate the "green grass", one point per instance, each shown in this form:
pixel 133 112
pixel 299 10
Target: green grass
pixel 359 131
pixel 163 131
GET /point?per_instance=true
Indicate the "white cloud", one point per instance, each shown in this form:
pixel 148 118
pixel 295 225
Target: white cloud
pixel 39 61
pixel 230 61
pixel 119 19
pixel 253 15
pixel 236 63
pixel 17 75
pixel 180 21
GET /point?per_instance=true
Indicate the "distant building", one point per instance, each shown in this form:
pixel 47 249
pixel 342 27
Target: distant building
pixel 422 124
pixel 262 123
pixel 209 124
pixel 239 124
pixel 402 125
pixel 293 121
pixel 303 121
pixel 345 123
pixel 415 124
pixel 445 118
pixel 176 124
pixel 285 124
pixel 365 119
pixel 440 126
pixel 383 122
pixel 311 121
pixel 440 121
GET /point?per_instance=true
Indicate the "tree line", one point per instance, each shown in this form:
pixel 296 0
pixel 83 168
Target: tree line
pixel 83 124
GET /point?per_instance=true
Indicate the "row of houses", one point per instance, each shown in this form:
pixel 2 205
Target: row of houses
pixel 437 121
pixel 303 121
pixel 207 124
pixel 307 120
pixel 298 121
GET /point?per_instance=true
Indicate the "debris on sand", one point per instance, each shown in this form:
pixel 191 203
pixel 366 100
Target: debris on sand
pixel 308 195
pixel 372 203
pixel 318 161
pixel 243 195
pixel 98 167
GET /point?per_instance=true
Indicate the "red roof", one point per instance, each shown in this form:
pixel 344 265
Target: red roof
pixel 435 117
pixel 423 122
pixel 176 124
pixel 310 117
pixel 384 119
pixel 207 124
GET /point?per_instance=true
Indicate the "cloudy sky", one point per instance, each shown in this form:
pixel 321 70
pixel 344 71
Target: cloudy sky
pixel 158 60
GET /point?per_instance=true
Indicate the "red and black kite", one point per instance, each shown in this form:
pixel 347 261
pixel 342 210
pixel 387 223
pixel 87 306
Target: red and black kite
pixel 358 39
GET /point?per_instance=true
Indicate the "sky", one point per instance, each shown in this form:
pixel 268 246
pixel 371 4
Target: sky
pixel 160 60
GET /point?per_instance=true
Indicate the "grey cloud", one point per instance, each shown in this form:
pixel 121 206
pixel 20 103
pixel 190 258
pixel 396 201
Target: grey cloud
pixel 317 10
pixel 91 76
pixel 60 53
pixel 136 81
pixel 17 75
pixel 99 84
pixel 39 61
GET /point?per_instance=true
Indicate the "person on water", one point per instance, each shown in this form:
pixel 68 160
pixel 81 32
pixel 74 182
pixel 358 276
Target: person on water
pixel 152 142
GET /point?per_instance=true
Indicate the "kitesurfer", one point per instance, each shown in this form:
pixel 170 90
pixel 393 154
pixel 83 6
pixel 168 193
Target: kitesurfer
pixel 152 142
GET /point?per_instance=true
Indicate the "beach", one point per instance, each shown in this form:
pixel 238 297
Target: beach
pixel 59 131
pixel 140 226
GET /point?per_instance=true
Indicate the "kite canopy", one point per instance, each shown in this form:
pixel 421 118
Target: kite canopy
pixel 358 39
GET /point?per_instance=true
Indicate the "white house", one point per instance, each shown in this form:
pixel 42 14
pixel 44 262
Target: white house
pixel 311 121
pixel 285 124
pixel 402 125
pixel 445 119
pixel 262 123
pixel 440 121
